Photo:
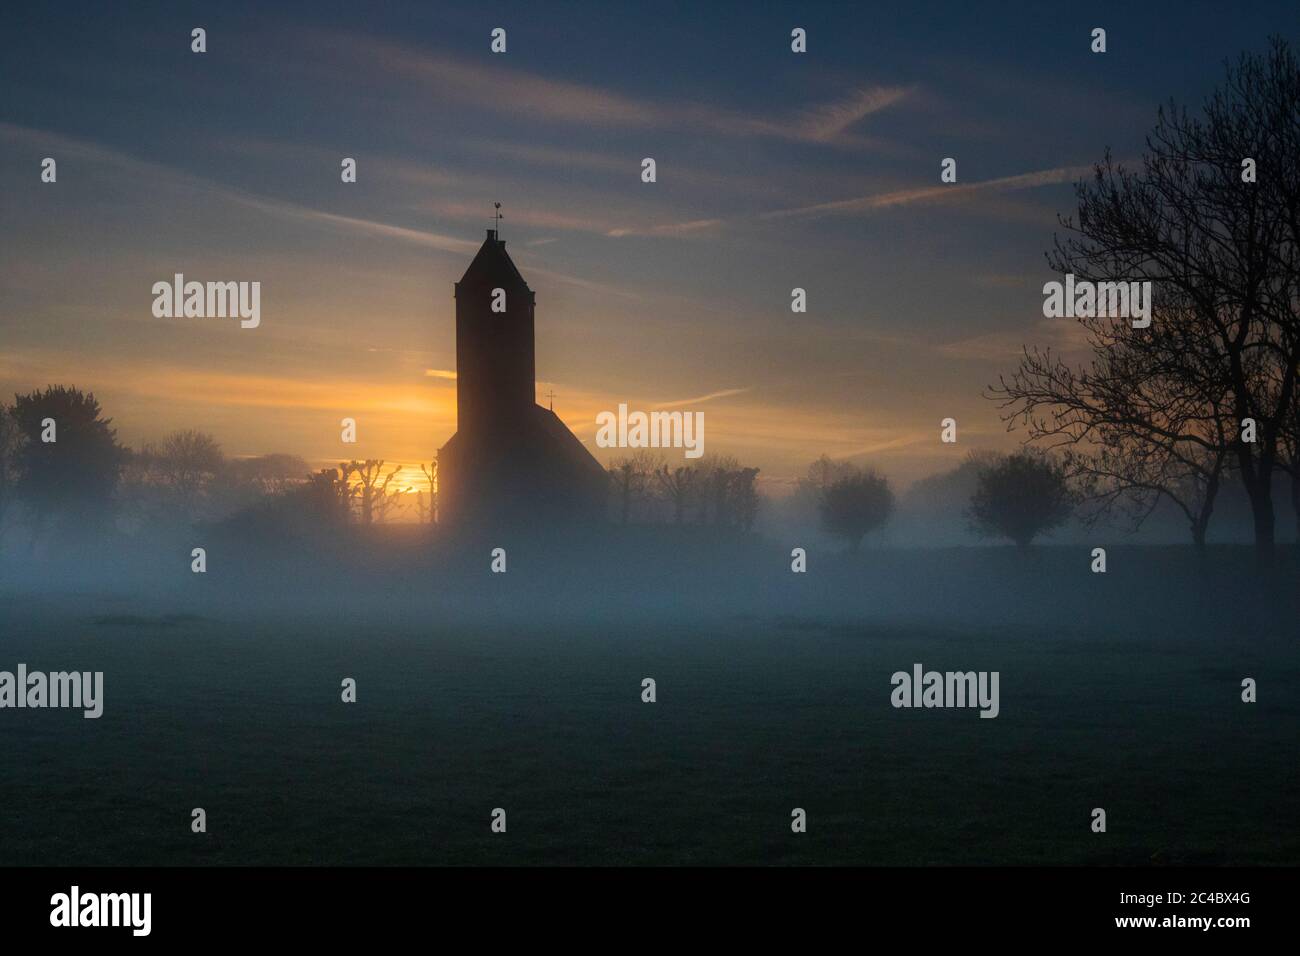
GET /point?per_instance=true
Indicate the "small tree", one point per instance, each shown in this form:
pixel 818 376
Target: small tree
pixel 677 485
pixel 187 462
pixel 856 504
pixel 1020 497
pixel 371 487
pixel 632 480
pixel 430 472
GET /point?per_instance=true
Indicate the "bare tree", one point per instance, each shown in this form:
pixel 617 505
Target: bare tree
pixel 187 462
pixel 677 485
pixel 371 488
pixel 633 482
pixel 711 484
pixel 1147 419
pixel 1211 220
pixel 430 472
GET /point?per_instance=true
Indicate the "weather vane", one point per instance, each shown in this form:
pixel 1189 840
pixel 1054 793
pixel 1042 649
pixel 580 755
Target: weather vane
pixel 497 216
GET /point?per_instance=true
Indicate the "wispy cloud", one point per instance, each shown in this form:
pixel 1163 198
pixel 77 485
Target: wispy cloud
pixel 945 193
pixel 668 229
pixel 701 399
pixel 831 122
pixel 534 96
pixel 1061 335
pixel 541 217
pixel 147 171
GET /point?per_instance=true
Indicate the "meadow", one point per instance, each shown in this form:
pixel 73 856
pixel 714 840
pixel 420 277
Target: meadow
pixel 523 691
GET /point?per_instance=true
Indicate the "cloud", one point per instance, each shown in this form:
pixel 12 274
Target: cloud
pixel 891 444
pixel 543 218
pixel 830 122
pixel 699 400
pixel 532 95
pixel 668 229
pixel 947 192
pixel 151 172
pixel 1063 336
pixel 156 173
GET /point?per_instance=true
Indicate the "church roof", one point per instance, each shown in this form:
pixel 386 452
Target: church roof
pixel 542 432
pixel 493 266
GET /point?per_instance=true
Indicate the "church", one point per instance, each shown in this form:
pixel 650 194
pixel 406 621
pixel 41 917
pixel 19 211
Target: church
pixel 512 464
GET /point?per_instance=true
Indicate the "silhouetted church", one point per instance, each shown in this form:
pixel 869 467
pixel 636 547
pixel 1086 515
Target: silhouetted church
pixel 511 462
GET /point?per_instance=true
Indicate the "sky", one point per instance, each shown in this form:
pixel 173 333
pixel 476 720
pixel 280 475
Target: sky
pixel 775 170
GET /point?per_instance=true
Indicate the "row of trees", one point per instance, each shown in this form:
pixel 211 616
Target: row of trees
pixel 1212 219
pixel 715 490
pixel 60 463
pixel 63 468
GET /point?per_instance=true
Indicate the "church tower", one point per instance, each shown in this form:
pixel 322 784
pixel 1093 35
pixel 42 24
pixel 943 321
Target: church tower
pixel 495 348
pixel 512 464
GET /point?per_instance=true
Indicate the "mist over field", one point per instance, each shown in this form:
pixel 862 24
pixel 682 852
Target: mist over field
pixel 523 690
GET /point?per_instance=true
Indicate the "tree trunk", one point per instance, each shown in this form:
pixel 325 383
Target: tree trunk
pixel 1257 477
pixel 1295 500
pixel 1261 504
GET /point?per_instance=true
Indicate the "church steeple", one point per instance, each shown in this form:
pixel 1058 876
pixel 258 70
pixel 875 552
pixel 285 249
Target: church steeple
pixel 512 463
pixel 495 349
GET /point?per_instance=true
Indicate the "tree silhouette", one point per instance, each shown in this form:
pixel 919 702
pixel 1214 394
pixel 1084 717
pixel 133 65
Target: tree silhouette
pixel 742 498
pixel 677 485
pixel 856 504
pixel 1167 404
pixel 631 478
pixel 188 462
pixel 1020 497
pixel 371 487
pixel 74 476
pixel 11 446
pixel 267 474
pixel 430 472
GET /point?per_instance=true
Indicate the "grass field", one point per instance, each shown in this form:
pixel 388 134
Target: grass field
pixel 237 710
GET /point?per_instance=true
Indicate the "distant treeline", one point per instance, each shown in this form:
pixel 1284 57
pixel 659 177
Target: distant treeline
pixel 64 475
